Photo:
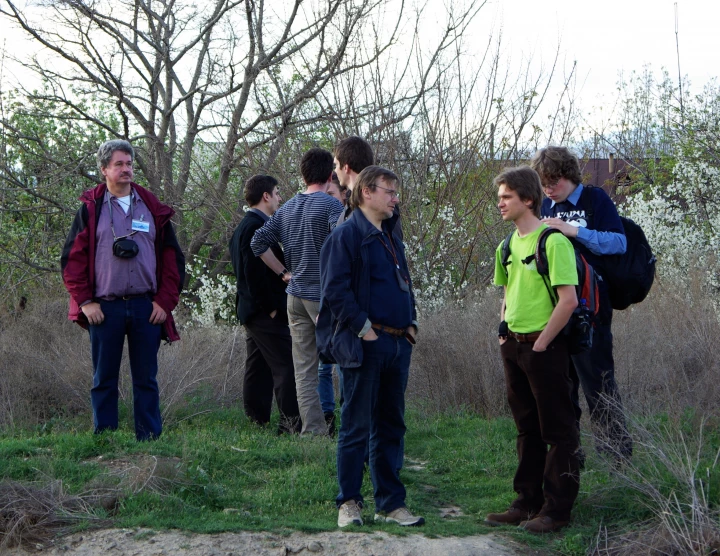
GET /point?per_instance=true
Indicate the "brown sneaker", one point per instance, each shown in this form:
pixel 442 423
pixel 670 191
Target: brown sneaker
pixel 513 516
pixel 543 524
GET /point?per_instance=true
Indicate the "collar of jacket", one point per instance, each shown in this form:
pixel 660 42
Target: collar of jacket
pixel 366 228
pixel 159 210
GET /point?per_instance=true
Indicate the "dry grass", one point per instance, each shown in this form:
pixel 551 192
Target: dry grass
pixel 43 373
pixel 456 363
pixel 671 473
pixel 33 514
pixel 666 358
pixel 141 473
pixel 46 370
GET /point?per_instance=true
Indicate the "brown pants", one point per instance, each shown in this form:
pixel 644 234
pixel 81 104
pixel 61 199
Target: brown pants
pixel 539 393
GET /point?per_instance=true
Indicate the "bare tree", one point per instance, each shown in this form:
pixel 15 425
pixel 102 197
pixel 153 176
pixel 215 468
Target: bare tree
pixel 211 94
pixel 236 75
pixel 475 117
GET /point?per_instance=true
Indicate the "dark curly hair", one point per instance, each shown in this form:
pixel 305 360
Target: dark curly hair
pixel 553 163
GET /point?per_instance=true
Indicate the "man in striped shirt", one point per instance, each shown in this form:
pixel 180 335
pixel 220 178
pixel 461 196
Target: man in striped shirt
pixel 301 225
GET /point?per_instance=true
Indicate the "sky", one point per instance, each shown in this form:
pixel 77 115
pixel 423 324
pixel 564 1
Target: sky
pixel 609 36
pixel 604 38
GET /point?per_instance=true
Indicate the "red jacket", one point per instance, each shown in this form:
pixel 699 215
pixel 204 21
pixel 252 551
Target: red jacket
pixel 78 256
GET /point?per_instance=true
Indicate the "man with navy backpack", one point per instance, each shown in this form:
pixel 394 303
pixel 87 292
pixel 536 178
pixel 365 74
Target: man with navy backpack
pixel 588 217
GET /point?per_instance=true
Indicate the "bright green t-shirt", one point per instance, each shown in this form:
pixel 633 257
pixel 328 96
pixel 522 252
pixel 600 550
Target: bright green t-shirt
pixel 527 302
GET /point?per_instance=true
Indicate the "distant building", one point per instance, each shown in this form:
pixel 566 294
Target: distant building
pixel 612 174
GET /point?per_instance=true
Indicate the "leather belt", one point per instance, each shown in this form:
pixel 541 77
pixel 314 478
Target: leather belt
pixel 125 297
pixel 400 332
pixel 524 338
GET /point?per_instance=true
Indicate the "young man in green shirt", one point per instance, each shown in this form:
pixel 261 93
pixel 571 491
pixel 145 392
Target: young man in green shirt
pixel 535 358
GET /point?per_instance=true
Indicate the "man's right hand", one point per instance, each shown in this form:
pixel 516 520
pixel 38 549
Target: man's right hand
pixel 93 312
pixel 370 336
pixel 272 315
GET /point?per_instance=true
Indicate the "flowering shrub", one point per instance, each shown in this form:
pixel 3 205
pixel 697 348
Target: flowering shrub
pixel 434 261
pixel 682 220
pixel 212 299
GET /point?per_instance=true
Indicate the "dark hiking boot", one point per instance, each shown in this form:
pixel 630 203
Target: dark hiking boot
pixel 543 524
pixel 513 516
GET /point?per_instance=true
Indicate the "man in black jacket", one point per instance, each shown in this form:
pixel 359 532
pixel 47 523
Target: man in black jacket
pixel 262 309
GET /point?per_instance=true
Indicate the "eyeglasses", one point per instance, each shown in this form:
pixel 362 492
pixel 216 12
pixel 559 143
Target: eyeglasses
pixel 551 185
pixel 393 193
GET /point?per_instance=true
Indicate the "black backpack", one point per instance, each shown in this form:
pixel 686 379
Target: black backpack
pixel 579 328
pixel 629 276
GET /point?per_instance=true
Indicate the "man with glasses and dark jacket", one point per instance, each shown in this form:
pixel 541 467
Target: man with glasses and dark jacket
pixel 368 326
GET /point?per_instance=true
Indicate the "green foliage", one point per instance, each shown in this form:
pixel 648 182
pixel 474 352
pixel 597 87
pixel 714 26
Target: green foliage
pixel 46 161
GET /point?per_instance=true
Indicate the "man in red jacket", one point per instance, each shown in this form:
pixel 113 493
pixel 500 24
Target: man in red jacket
pixel 124 270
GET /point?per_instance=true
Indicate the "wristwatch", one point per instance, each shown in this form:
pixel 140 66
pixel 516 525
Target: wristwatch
pixel 283 273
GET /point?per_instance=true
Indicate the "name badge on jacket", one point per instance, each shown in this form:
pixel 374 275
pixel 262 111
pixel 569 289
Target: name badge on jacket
pixel 140 226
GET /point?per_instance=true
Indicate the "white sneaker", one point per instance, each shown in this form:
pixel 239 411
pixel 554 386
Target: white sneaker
pixel 401 516
pixel 349 514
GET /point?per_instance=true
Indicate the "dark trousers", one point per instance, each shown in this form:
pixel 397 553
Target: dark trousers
pixel 373 414
pixel 129 318
pixel 269 369
pixel 538 389
pixel 595 371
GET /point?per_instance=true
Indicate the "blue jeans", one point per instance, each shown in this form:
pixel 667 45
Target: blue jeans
pixel 129 318
pixel 325 387
pixel 374 411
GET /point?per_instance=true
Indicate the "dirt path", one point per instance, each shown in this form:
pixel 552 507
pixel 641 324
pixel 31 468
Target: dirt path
pixel 144 542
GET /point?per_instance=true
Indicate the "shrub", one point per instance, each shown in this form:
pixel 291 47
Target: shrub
pixel 46 369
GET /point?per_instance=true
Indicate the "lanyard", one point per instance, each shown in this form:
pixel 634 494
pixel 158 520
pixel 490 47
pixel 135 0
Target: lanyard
pixel 112 227
pixel 391 250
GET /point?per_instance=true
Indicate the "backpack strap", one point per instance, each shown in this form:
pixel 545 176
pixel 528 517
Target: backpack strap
pixel 506 252
pixel 541 262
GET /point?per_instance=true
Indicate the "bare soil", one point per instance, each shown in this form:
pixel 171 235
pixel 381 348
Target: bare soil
pixel 145 542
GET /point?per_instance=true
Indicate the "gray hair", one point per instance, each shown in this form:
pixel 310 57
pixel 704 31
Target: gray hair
pixel 107 149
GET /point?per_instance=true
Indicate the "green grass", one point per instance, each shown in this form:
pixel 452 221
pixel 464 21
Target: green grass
pixel 218 461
